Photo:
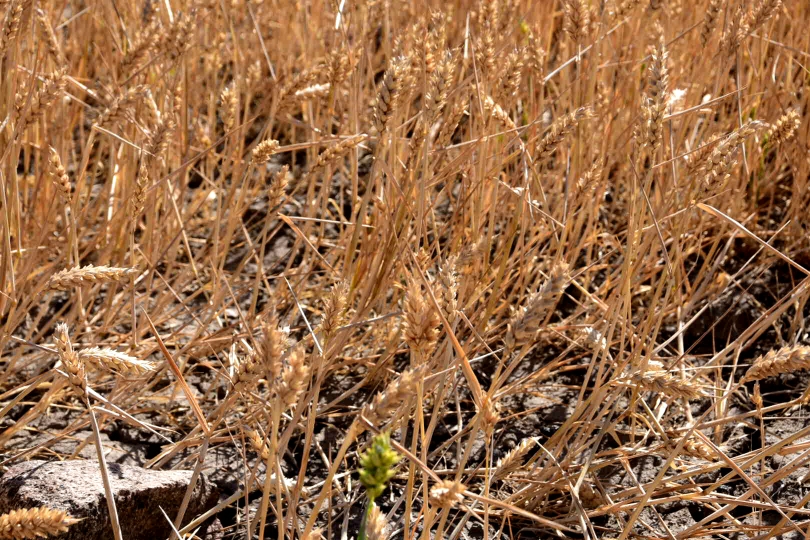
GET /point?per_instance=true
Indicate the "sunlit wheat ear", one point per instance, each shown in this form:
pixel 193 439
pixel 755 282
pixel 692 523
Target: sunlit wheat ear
pixel 278 188
pixel 624 8
pixel 722 157
pixel 122 105
pixel 145 41
pixel 663 382
pixel 440 80
pixel 785 128
pixel 72 364
pixel 258 444
pixel 489 415
pixel 12 28
pixel 245 372
pixel 577 19
pixel 654 107
pixel 697 160
pixel 59 176
pixel 396 394
pixel 694 447
pixel 375 525
pixel 391 91
pixel 560 129
pixel 334 310
pixel 52 87
pixel 496 111
pixel 30 523
pixel 116 361
pixel 761 12
pixel 526 322
pixel 75 277
pixel 229 99
pixel 264 151
pixel 294 378
pixel 776 362
pixel 447 493
pixel 447 280
pixel 421 321
pixel 710 20
pixel 514 458
pixel 512 75
pixel 337 151
pixel 315 91
pixel 139 195
pixel 50 37
pixel 273 344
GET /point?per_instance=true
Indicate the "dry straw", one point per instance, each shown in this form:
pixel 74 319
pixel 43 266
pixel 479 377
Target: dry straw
pixel 28 523
pixel 76 277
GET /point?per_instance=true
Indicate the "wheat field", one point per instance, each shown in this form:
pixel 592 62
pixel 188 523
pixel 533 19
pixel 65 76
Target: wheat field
pixel 481 269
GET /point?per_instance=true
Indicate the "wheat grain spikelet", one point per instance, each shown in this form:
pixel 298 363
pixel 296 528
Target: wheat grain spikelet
pixel 695 447
pixel 526 322
pixel 560 129
pixel 512 460
pixel 78 276
pixel 421 321
pixel 294 378
pixel 116 360
pixel 73 365
pixel 264 150
pixel 447 493
pixel 775 362
pixel 375 525
pixel 34 523
pixel 387 402
pixel 661 381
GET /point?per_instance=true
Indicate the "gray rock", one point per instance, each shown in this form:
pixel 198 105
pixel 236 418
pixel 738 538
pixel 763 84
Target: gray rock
pixel 76 487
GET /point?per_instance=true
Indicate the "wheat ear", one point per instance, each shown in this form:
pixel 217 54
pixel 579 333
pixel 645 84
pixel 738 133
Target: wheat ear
pixel 78 276
pixel 784 360
pixel 34 523
pixel 115 360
